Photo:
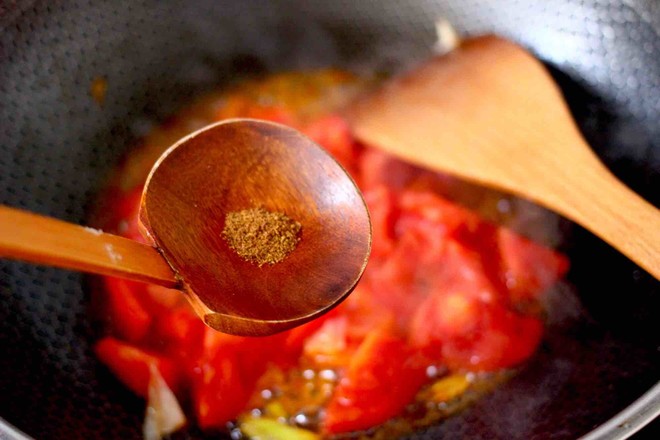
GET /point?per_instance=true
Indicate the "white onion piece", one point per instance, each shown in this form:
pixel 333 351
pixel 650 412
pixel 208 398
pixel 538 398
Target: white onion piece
pixel 447 37
pixel 164 414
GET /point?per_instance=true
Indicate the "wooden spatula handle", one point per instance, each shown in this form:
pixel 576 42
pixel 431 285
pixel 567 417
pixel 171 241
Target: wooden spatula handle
pixel 597 200
pixel 43 240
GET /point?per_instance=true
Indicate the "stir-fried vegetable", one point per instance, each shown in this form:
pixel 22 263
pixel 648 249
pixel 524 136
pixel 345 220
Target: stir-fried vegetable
pixel 445 294
pixel 268 429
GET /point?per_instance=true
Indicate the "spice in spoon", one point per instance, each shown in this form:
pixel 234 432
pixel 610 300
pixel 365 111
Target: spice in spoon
pixel 261 236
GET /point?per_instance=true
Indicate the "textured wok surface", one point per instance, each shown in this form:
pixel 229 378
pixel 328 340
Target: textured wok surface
pixel 57 144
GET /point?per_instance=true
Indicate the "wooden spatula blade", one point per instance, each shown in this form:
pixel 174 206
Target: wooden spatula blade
pixel 490 112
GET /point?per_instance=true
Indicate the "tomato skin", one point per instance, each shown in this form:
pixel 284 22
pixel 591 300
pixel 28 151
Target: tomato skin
pixel 381 202
pixel 219 393
pixel 180 326
pixel 129 319
pixel 528 268
pixel 131 365
pixel 328 346
pixel 511 340
pixel 293 340
pixel 364 314
pixel 377 168
pixel 444 316
pixel 378 384
pixel 180 334
pixel 227 372
pixel 426 209
pixel 333 134
pixel 253 353
pixel 468 334
pixel 218 383
pixel 160 299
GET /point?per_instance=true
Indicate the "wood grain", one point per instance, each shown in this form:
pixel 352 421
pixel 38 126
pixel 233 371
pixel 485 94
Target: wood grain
pixel 43 240
pixel 490 112
pixel 242 164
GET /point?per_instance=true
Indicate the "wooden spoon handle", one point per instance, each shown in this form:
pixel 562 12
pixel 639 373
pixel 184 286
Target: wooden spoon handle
pixel 597 200
pixel 43 240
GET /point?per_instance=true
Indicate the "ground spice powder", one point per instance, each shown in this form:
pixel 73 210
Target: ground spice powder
pixel 261 236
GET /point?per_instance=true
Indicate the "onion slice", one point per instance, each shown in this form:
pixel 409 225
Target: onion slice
pixel 164 415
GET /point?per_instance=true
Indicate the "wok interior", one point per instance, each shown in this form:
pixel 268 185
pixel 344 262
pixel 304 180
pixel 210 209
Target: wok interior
pixel 58 144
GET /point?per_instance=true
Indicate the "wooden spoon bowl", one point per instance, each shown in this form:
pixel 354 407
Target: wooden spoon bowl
pixel 276 168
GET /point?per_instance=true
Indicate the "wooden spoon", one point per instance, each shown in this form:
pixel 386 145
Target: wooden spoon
pixel 489 112
pixel 229 166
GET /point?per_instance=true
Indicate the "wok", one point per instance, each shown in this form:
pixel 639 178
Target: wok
pixel 57 145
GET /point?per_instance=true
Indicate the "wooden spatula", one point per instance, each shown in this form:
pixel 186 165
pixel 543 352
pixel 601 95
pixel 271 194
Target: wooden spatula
pixel 489 112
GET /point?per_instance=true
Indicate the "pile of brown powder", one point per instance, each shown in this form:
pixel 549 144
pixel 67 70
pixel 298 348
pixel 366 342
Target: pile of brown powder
pixel 261 236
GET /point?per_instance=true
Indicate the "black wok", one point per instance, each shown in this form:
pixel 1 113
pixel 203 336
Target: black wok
pixel 57 145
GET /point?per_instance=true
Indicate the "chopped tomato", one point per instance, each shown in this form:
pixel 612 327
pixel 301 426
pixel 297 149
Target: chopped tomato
pixel 401 282
pixel 294 339
pixel 444 316
pixel 417 269
pixel 219 393
pixel 464 271
pixel 332 133
pixel 379 382
pixel 504 340
pixel 383 211
pixel 466 333
pixel 436 220
pixel 215 342
pixel 181 333
pixel 328 345
pixel 227 374
pixel 161 299
pixel 423 210
pixel 377 168
pixel 129 319
pixel 364 314
pixel 127 211
pixel 131 364
pixel 253 354
pixel 528 268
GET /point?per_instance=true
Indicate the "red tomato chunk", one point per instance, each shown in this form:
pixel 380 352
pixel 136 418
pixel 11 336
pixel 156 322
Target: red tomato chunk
pixel 381 378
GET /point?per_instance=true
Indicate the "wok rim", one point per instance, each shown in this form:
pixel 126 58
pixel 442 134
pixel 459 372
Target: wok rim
pixel 629 421
pixel 624 424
